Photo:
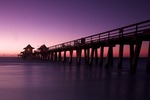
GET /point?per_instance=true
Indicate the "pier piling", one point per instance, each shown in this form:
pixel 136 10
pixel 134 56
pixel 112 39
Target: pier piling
pixel 78 53
pixel 136 55
pixel 109 61
pixel 120 56
pixel 64 57
pixel 148 60
pixel 131 53
pixel 101 55
pixel 71 52
pixel 59 57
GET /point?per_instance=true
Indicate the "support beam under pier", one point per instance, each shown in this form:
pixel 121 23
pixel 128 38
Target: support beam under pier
pixel 51 56
pixel 96 56
pixel 131 53
pixel 120 56
pixel 148 60
pixel 86 55
pixel 136 55
pixel 78 55
pixel 109 61
pixel 59 57
pixel 55 58
pixel 92 54
pixel 64 58
pixel 101 55
pixel 70 59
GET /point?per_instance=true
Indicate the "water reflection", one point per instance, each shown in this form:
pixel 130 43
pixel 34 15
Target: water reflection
pixel 63 81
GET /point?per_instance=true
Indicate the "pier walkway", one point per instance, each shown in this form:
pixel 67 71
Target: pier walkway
pixel 132 35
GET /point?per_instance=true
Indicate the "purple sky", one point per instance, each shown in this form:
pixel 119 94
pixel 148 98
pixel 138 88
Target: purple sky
pixel 51 22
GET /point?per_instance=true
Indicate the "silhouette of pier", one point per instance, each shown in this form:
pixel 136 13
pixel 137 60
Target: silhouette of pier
pixel 132 35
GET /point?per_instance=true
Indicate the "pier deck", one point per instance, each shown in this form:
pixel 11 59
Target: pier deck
pixel 132 35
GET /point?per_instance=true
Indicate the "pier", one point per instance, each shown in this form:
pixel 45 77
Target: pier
pixel 132 35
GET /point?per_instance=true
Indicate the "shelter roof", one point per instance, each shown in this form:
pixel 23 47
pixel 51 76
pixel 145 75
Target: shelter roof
pixel 43 47
pixel 29 46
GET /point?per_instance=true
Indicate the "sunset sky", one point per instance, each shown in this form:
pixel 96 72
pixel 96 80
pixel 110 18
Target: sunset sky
pixel 51 22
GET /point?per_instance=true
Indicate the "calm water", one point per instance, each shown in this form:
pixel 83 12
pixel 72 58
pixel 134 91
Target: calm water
pixel 32 80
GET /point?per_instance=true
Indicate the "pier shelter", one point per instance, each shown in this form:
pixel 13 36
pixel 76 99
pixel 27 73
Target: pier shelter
pixel 28 52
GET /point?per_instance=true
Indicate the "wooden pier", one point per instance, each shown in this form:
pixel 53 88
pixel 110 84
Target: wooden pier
pixel 132 35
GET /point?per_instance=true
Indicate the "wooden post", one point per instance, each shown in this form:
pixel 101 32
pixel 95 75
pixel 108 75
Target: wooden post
pixel 77 52
pixel 64 59
pixel 131 53
pixel 96 56
pixel 52 56
pixel 71 52
pixel 109 57
pixel 120 56
pixel 59 58
pixel 136 55
pixel 48 56
pixel 92 54
pixel 55 56
pixel 88 54
pixel 85 55
pixel 148 60
pixel 79 56
pixel 101 56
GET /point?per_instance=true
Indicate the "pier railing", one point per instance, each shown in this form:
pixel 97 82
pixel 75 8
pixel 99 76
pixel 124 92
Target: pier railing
pixel 119 33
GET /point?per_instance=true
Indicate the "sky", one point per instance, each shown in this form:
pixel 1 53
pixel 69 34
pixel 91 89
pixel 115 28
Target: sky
pixel 52 22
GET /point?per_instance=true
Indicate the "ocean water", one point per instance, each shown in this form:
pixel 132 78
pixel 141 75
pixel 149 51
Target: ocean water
pixel 43 80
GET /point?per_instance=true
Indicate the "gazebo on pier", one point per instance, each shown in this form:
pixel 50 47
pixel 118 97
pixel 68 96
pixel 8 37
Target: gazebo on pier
pixel 28 51
pixel 43 50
